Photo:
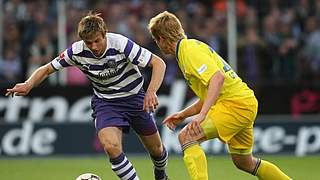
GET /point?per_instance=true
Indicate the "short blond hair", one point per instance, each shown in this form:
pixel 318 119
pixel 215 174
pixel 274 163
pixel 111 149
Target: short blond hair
pixel 90 25
pixel 166 25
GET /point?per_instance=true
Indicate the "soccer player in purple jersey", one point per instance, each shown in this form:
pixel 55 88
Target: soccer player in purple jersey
pixel 110 61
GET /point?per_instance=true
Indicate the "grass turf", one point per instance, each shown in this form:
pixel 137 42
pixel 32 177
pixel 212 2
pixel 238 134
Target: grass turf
pixel 219 167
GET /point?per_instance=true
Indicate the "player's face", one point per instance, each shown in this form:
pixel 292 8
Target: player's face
pixel 97 44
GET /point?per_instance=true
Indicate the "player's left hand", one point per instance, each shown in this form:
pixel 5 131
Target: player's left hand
pixel 150 101
pixel 194 127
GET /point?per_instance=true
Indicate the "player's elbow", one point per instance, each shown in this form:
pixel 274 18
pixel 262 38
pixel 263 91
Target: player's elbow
pixel 163 63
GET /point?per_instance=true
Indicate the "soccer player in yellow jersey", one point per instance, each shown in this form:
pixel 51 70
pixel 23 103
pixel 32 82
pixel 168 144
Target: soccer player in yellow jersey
pixel 226 108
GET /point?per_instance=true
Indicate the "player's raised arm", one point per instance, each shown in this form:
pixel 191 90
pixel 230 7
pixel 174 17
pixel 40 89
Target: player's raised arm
pixel 22 89
pixel 158 71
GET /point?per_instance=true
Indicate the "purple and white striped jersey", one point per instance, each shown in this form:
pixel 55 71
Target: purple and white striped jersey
pixel 113 75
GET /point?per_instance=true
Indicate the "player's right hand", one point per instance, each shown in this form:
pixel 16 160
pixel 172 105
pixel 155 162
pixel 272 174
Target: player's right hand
pixel 20 89
pixel 173 120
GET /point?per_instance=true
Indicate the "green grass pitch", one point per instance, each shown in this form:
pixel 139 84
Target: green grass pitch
pixel 220 167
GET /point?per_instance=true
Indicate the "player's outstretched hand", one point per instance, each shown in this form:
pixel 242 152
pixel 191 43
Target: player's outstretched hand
pixel 173 120
pixel 20 89
pixel 150 101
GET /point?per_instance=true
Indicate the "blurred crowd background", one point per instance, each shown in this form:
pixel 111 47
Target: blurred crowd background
pixel 278 41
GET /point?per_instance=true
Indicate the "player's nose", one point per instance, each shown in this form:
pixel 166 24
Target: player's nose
pixel 94 47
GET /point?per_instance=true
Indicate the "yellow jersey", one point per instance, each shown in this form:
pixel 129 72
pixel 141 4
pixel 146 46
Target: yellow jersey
pixel 199 62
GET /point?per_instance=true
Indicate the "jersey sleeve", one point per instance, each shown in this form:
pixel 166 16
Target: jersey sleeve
pixel 136 54
pixel 201 65
pixel 63 60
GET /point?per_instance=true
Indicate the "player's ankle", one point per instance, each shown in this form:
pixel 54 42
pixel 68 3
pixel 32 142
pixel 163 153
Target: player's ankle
pixel 160 174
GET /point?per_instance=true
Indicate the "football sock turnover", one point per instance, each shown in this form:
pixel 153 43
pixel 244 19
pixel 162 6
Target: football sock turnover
pixel 123 168
pixel 267 171
pixel 160 164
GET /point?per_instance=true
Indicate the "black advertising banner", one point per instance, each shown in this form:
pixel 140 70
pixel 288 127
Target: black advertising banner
pixel 282 137
pixel 42 139
pixel 57 120
pixel 30 138
pixel 60 104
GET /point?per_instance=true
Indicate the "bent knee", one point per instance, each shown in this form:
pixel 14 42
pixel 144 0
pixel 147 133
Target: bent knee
pixel 184 137
pixel 112 149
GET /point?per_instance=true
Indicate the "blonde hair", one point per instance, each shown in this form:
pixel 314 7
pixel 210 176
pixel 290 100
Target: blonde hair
pixel 167 26
pixel 90 25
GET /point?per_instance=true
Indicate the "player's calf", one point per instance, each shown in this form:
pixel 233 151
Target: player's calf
pixel 245 162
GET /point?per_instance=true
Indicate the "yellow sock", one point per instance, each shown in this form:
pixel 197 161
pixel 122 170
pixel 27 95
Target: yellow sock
pixel 269 171
pixel 196 162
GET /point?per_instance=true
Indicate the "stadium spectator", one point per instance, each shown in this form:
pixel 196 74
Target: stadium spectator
pixel 286 50
pixel 41 51
pixel 251 57
pixel 10 66
pixel 312 46
pixel 285 65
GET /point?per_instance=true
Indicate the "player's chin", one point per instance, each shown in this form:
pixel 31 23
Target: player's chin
pixel 97 53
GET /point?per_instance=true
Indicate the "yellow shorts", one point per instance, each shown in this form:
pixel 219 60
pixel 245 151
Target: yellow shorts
pixel 232 122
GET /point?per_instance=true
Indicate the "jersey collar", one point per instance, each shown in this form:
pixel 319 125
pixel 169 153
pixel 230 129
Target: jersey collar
pixel 177 48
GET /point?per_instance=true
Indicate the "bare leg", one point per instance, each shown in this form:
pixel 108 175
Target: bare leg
pixel 111 140
pixel 158 154
pixel 245 163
